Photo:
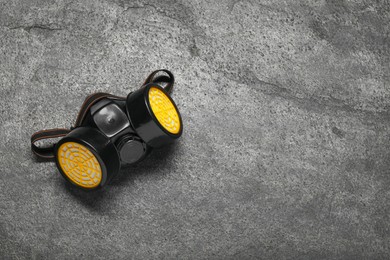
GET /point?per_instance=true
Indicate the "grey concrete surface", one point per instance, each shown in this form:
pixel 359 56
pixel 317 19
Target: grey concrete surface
pixel 286 148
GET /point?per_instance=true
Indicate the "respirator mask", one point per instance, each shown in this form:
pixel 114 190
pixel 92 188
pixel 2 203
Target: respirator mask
pixel 112 131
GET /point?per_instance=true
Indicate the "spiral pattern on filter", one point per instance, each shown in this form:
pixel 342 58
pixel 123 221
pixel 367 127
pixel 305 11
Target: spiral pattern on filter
pixel 79 164
pixel 164 110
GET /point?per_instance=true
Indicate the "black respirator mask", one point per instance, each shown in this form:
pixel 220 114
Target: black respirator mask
pixel 112 131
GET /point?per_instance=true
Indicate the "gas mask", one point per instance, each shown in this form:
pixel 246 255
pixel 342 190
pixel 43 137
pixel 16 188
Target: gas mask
pixel 111 132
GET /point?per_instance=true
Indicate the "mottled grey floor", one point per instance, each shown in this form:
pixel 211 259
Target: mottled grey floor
pixel 286 148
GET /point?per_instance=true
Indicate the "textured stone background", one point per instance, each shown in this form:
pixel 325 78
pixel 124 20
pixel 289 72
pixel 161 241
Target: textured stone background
pixel 286 148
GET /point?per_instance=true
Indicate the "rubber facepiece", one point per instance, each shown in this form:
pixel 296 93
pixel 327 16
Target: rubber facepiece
pixel 79 164
pixel 164 110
